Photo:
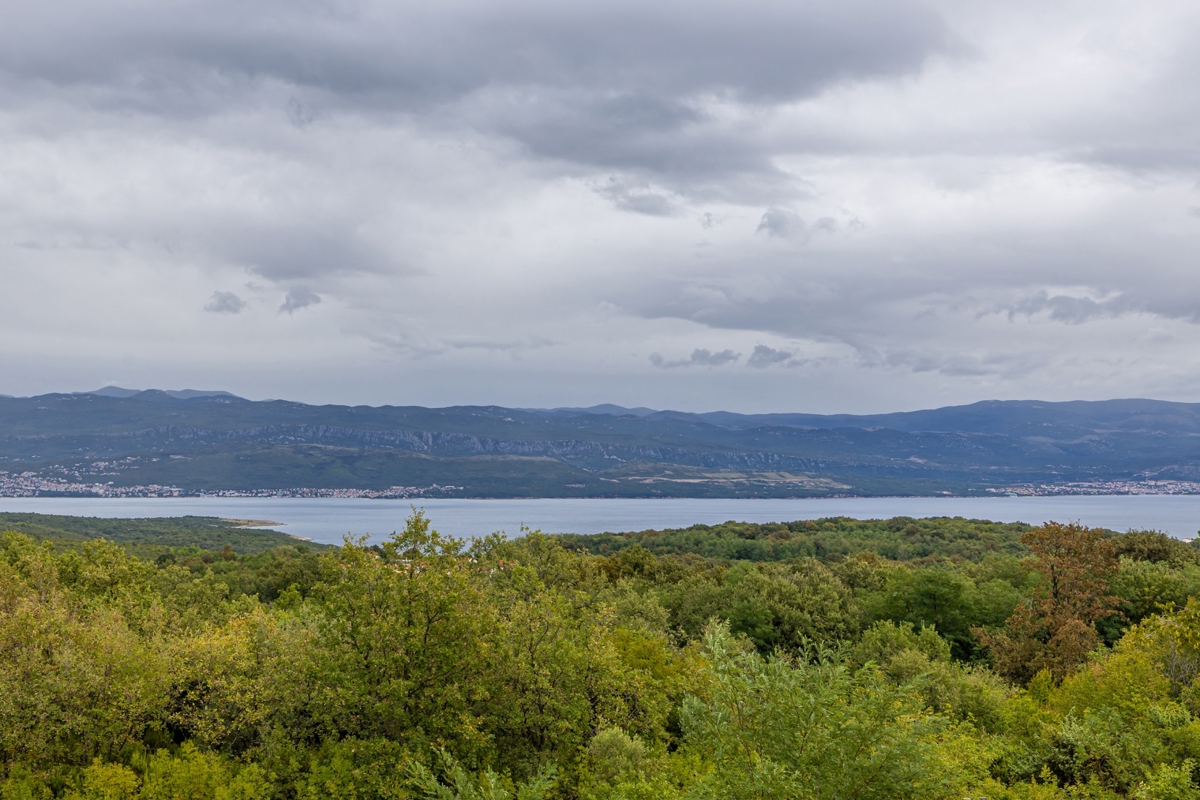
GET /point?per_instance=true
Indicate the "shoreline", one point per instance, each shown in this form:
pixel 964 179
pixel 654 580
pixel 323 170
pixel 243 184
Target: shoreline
pixel 252 523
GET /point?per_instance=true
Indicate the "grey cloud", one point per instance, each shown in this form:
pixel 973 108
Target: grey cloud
pixel 324 146
pixel 1147 127
pixel 764 356
pixel 426 347
pixel 954 365
pixel 301 115
pixel 501 346
pixel 282 253
pixel 1144 157
pixel 225 303
pixel 781 222
pixel 654 205
pixel 868 311
pixel 1072 310
pixel 298 298
pixel 635 131
pixel 1069 309
pixel 640 199
pixel 699 358
pixel 771 50
pixel 709 359
pixel 610 84
pixel 846 292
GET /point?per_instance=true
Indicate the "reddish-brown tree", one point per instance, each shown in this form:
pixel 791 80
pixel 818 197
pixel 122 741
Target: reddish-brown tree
pixel 1055 628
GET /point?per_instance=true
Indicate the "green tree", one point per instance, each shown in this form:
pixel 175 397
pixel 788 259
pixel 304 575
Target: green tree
pixel 76 682
pixel 193 775
pixel 400 642
pixel 458 784
pixel 813 728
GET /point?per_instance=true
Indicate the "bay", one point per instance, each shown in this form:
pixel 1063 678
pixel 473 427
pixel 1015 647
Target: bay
pixel 327 520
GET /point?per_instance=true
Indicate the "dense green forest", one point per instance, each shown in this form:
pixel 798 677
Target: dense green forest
pixel 149 536
pixel 821 660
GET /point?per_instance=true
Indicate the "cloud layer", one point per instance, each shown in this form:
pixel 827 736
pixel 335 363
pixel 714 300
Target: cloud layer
pixel 885 204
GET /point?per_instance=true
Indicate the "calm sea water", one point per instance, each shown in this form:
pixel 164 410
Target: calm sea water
pixel 328 520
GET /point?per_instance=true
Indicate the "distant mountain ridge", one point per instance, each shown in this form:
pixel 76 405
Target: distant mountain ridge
pixel 177 394
pixel 212 440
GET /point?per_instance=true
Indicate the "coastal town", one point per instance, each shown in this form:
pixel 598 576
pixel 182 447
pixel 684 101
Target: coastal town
pixel 1124 487
pixel 36 484
pixel 30 484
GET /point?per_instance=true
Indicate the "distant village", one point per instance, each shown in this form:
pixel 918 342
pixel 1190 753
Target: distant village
pixel 31 484
pixel 34 484
pixel 1099 488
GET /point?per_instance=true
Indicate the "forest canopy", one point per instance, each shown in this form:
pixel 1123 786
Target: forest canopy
pixel 826 659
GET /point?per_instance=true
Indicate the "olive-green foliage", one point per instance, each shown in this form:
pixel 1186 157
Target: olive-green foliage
pixel 950 600
pixel 350 769
pixel 78 676
pixel 423 668
pixel 458 784
pixel 614 753
pixel 1168 782
pixel 150 536
pixel 899 538
pixel 1155 547
pixel 884 641
pixel 775 605
pixel 185 775
pixel 816 728
pixel 1148 587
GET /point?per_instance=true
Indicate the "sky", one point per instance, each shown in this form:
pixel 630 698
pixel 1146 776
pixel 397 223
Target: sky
pixel 852 206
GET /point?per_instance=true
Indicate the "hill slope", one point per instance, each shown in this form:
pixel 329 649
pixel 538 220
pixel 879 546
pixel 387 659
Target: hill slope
pixel 213 442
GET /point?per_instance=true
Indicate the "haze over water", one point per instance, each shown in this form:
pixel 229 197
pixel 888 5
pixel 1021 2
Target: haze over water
pixel 328 520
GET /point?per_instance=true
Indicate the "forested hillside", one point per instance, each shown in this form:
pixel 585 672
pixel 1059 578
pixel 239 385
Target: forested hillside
pixel 73 443
pixel 932 659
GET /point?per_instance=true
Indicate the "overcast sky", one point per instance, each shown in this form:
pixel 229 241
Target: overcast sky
pixel 757 206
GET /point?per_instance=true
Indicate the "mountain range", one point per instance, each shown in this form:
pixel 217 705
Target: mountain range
pixel 205 441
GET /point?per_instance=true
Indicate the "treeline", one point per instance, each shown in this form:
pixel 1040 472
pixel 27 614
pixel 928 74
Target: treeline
pixel 899 538
pixel 150 536
pixel 1031 664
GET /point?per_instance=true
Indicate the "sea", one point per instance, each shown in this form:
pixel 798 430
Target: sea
pixel 328 520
